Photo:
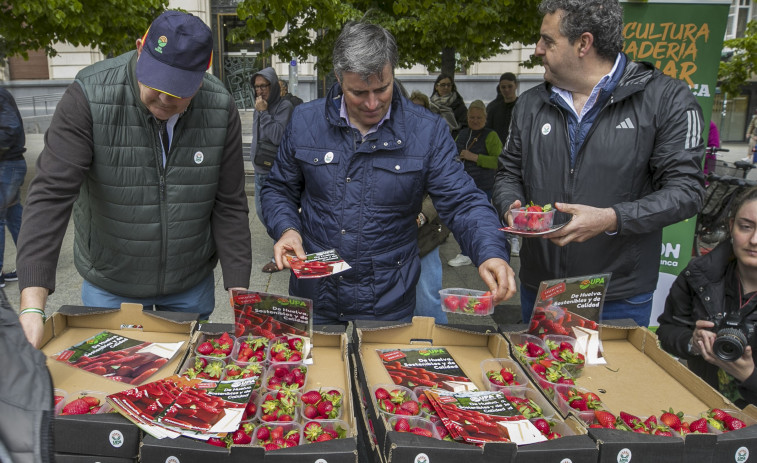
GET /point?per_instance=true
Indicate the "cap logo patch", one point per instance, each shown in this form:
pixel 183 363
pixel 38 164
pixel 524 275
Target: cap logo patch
pixel 162 42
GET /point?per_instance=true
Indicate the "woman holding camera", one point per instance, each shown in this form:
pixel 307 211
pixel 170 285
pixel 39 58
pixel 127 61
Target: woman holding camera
pixel 711 309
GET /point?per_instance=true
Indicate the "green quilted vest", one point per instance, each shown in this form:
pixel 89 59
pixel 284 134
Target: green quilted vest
pixel 141 230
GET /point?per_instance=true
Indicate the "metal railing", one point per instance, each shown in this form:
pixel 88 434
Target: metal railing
pixel 38 105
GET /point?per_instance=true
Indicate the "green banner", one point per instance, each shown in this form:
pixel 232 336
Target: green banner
pixel 684 40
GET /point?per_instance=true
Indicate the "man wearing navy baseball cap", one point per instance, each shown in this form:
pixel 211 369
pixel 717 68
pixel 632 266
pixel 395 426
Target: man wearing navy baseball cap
pixel 174 54
pixel 146 150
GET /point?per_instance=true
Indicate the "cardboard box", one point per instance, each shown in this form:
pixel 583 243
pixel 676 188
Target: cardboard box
pixel 330 368
pixel 468 348
pixel 73 458
pixel 642 379
pixel 106 434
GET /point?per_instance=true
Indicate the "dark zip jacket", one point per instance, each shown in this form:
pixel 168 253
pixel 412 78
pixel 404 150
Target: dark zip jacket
pixel 706 287
pixel 642 157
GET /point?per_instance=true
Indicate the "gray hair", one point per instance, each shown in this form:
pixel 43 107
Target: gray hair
pixel 364 49
pixel 601 18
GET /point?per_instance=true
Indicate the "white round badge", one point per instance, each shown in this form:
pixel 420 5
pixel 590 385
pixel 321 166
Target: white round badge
pixel 546 128
pixel 329 157
pixel 116 438
pixel 199 157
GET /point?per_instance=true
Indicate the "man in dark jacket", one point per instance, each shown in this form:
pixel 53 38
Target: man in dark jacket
pixel 285 95
pixel 155 182
pixel 500 110
pixel 272 113
pixel 615 144
pixel 12 173
pixel 351 174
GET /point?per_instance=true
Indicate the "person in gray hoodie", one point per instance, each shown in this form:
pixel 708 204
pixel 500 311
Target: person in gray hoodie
pixel 271 116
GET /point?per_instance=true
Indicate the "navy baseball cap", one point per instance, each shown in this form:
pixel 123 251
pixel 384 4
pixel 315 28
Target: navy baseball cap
pixel 177 49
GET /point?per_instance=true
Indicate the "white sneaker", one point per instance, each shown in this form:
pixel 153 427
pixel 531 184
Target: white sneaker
pixel 747 159
pixel 459 261
pixel 514 247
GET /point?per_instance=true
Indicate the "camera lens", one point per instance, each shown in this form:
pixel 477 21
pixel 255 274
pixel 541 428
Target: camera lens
pixel 729 344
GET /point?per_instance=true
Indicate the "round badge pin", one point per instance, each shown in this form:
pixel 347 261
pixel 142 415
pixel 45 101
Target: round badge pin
pixel 546 128
pixel 328 157
pixel 199 157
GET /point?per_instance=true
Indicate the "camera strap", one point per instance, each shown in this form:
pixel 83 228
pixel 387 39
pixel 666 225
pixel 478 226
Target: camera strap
pixel 749 305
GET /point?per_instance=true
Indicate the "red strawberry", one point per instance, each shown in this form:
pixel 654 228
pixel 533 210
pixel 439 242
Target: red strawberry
pixel 411 406
pixel 91 401
pixel 217 442
pixel 671 419
pixel 311 397
pixel 312 431
pixel 718 414
pixel 381 393
pixel 578 403
pixel 699 425
pixel 662 431
pixel 732 423
pixel 534 350
pixel 633 422
pixel 542 425
pixel 240 437
pixel 422 432
pixel 452 303
pixel 206 348
pixel 402 425
pixel 263 433
pixel 605 419
pixel 76 407
pixel 325 408
pixel 310 412
pixel 324 437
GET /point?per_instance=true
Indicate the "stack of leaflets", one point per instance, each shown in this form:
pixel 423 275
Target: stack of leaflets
pixel 176 406
pixel 482 416
pixel 427 366
pixel 119 358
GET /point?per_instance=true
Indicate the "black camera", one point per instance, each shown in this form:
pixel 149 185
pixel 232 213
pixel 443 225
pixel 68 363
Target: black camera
pixel 732 336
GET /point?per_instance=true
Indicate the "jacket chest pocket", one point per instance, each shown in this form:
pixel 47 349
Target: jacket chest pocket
pixel 396 181
pixel 320 169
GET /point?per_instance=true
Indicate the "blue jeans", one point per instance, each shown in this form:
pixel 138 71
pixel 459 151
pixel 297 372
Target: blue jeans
pixel 638 308
pixel 259 182
pixel 12 175
pixel 200 299
pixel 427 300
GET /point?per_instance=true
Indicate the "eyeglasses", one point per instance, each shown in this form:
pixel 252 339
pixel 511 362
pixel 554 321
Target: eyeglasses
pixel 445 85
pixel 261 87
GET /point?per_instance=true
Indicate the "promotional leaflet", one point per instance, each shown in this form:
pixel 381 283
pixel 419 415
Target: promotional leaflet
pixel 482 416
pixel 271 315
pixel 572 307
pixel 119 358
pixel 428 366
pixel 318 264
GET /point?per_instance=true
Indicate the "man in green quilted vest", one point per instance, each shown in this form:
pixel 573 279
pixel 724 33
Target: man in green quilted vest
pixel 146 150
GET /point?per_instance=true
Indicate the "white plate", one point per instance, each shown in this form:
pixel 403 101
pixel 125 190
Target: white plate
pixel 533 233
